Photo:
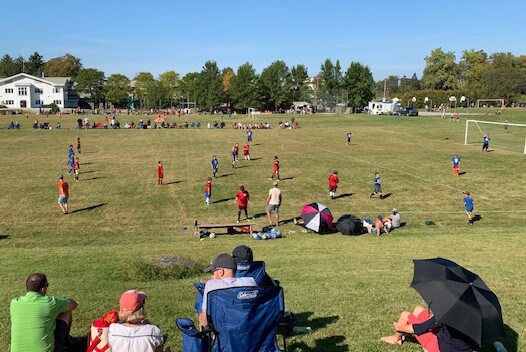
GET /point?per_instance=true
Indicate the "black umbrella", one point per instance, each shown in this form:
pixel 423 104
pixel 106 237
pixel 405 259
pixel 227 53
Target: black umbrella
pixel 459 298
pixel 349 224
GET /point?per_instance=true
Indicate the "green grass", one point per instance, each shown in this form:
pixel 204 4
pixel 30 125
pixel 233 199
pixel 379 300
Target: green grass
pixel 348 289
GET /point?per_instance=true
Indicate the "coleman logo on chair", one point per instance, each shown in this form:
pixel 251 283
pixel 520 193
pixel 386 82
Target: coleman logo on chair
pixel 247 294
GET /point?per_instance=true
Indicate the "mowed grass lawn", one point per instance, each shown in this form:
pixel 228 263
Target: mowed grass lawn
pixel 349 289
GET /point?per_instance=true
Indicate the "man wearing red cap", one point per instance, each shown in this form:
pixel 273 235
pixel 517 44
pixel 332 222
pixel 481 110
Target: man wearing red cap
pixel 223 270
pixel 134 332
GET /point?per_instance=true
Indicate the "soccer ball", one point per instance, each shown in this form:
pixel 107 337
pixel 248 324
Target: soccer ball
pixel 212 235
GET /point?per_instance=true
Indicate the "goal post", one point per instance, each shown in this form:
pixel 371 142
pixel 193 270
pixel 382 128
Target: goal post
pixel 502 129
pixel 478 101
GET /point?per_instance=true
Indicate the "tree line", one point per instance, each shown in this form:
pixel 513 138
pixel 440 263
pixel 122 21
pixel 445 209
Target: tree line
pixel 476 75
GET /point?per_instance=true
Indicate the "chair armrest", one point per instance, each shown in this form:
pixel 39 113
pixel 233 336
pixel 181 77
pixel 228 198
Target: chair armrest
pixel 187 327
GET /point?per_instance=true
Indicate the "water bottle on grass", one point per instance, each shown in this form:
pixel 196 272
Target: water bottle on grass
pixel 302 329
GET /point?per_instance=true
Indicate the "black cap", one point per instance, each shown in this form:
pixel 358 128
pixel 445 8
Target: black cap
pixel 225 261
pixel 243 254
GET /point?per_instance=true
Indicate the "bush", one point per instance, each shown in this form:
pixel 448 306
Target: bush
pixel 169 267
pixel 54 108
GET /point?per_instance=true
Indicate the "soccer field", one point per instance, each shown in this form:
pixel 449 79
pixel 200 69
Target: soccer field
pixel 349 289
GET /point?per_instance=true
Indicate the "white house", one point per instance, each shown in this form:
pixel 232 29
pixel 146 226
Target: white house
pixel 382 107
pixel 23 91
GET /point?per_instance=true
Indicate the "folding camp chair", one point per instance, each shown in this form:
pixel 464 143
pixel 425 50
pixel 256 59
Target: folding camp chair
pixel 255 269
pixel 241 319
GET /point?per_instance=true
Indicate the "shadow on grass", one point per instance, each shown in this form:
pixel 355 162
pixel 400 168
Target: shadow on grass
pixel 4 237
pixel 387 195
pixel 462 173
pixel 94 178
pixel 254 159
pixel 242 166
pixel 331 343
pixel 88 172
pixel 286 178
pixel 88 208
pixel 172 183
pixel 259 215
pixel 90 163
pixel 225 175
pixel 344 195
pixel 222 200
pixel 476 218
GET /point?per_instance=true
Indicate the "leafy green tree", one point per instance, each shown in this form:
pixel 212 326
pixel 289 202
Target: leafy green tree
pixel 299 78
pixel 189 87
pixel 441 70
pixel 504 77
pixel 170 82
pixel 8 66
pixel 274 84
pixel 244 88
pixel 20 64
pixel 472 66
pixel 63 66
pixel 358 82
pixel 141 83
pixel 90 83
pixel 330 77
pixel 35 64
pixel 210 87
pixel 117 89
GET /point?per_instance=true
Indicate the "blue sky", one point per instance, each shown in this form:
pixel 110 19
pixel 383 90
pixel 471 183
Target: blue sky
pixel 132 36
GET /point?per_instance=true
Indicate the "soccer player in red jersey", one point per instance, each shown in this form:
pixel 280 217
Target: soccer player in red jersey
pixel 78 145
pixel 333 183
pixel 246 151
pixel 242 198
pixel 160 173
pixel 208 190
pixel 236 150
pixel 275 170
pixel 76 167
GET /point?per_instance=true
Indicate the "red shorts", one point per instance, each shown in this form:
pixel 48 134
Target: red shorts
pixel 428 340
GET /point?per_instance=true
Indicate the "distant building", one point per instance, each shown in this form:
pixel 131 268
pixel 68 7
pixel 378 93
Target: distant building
pixel 23 91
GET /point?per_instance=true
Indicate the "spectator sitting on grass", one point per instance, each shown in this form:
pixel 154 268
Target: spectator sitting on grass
pixel 134 332
pixel 395 219
pixel 40 322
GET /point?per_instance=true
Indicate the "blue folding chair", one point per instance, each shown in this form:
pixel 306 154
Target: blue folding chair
pixel 241 319
pixel 255 269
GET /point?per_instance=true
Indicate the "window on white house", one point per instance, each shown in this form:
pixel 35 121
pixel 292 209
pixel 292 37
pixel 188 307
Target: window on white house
pixel 38 90
pixel 56 90
pixel 9 90
pixel 9 102
pixel 58 102
pixel 39 102
pixel 22 90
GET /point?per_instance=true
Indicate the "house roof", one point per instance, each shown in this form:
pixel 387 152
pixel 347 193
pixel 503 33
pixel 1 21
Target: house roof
pixel 55 81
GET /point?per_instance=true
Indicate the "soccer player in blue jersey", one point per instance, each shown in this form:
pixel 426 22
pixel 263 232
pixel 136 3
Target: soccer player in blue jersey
pixel 455 162
pixel 215 165
pixel 249 137
pixel 469 203
pixel 377 186
pixel 485 143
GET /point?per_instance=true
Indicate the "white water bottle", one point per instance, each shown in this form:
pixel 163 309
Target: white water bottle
pixel 499 347
pixel 302 329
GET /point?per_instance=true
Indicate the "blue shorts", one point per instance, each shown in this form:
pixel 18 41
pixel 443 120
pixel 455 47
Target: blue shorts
pixel 249 139
pixel 469 210
pixel 207 195
pixel 62 199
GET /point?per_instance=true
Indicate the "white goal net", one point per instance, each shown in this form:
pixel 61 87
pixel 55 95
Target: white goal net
pixel 505 135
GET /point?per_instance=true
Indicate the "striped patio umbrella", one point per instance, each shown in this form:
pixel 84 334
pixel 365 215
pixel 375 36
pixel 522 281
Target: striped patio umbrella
pixel 317 217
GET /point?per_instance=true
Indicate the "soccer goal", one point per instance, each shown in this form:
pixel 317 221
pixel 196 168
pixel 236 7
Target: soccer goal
pixel 506 135
pixel 501 101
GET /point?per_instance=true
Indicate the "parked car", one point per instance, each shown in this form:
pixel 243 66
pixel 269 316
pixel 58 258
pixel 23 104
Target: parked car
pixel 408 111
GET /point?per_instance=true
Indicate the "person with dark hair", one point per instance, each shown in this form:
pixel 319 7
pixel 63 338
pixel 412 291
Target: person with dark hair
pixel 242 200
pixel 40 322
pixel 244 255
pixel 223 270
